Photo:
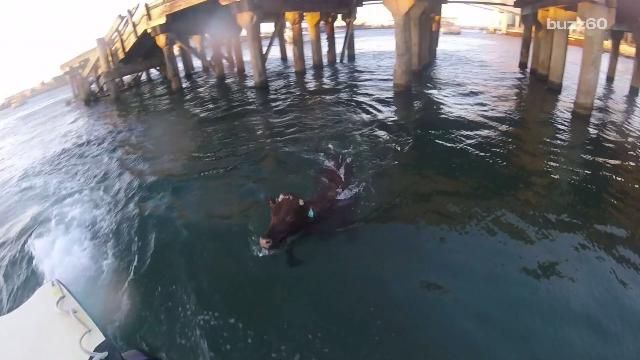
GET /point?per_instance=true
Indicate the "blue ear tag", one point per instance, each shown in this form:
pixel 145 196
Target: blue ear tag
pixel 311 214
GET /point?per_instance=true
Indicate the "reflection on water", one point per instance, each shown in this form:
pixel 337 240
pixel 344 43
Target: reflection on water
pixel 488 215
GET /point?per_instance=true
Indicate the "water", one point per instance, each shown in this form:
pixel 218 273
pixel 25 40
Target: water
pixel 489 223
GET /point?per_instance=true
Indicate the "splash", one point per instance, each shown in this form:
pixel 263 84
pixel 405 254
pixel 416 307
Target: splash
pixel 64 247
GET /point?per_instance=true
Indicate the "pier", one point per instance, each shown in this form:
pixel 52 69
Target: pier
pixel 145 38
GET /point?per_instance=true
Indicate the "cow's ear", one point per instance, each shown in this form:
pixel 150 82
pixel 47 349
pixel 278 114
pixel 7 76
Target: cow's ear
pixel 272 202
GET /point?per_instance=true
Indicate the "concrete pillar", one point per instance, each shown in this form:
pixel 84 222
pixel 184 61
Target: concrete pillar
pixel 415 19
pixel 199 43
pixel 313 20
pixel 402 71
pixel 349 19
pixel 546 45
pixel 187 62
pixel 165 42
pixel 281 40
pixel 635 78
pixel 107 69
pixel 82 85
pixel 591 55
pixel 351 44
pixel 237 54
pixel 250 23
pixel 437 18
pixel 537 39
pixel 216 56
pixel 504 23
pixel 72 84
pixel 426 55
pixel 295 19
pixel 560 43
pixel 558 59
pixel 228 42
pixel 544 54
pixel 527 21
pixel 616 38
pixel 329 24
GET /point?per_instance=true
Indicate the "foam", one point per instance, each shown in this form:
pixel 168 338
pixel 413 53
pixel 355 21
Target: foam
pixel 63 246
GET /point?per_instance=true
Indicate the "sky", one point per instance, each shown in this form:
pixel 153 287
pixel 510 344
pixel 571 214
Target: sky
pixel 41 35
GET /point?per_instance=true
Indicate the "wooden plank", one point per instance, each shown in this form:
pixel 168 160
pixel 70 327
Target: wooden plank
pixel 133 24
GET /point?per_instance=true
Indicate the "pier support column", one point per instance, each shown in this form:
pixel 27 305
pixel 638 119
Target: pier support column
pixel 72 83
pixel 228 44
pixel 417 35
pixel 330 30
pixel 199 42
pixel 349 19
pixel 527 21
pixel 187 61
pixel 558 59
pixel 295 19
pixel 546 45
pixel 107 69
pixel 216 56
pixel 437 19
pixel 281 40
pixel 237 54
pixel 348 46
pixel 537 39
pixel 313 20
pixel 616 38
pixel 402 71
pixel 560 43
pixel 591 55
pixel 635 79
pixel 426 27
pixel 165 42
pixel 84 91
pixel 249 21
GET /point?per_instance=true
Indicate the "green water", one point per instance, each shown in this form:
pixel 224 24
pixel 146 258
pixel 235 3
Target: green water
pixel 487 221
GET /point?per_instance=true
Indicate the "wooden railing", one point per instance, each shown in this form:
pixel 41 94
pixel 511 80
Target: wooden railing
pixel 126 30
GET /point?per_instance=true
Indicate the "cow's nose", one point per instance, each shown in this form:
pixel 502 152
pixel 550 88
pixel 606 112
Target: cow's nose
pixel 265 243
